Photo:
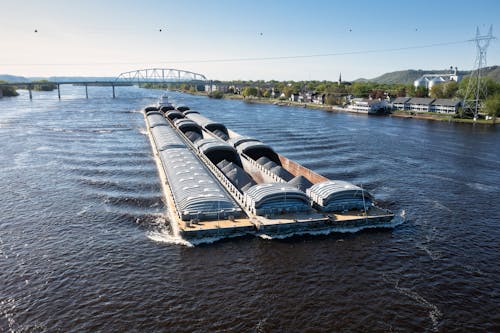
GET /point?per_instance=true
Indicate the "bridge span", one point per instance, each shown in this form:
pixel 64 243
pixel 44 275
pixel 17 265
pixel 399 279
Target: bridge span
pixel 136 77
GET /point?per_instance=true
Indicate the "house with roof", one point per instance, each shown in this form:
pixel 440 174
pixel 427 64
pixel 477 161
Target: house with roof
pixel 294 97
pixel 401 103
pixel 365 105
pixel 318 98
pixel 445 105
pixel 217 87
pixel 419 104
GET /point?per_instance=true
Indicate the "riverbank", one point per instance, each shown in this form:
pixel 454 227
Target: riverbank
pixel 334 108
pixel 440 117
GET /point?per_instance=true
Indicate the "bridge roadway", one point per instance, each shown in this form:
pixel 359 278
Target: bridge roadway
pixel 136 77
pixel 113 84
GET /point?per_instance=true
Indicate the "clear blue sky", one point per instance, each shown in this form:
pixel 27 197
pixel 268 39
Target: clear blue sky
pixel 104 38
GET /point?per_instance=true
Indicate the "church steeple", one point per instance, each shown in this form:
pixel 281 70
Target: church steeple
pixel 340 78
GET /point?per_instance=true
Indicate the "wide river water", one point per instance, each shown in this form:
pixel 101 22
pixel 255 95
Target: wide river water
pixel 84 246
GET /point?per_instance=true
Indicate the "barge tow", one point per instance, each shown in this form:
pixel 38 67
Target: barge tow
pixel 219 184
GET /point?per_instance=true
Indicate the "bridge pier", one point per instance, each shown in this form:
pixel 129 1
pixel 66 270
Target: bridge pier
pixel 58 91
pixel 86 91
pixel 113 90
pixel 29 89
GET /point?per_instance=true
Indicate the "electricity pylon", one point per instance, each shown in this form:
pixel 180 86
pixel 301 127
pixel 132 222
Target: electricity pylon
pixel 476 89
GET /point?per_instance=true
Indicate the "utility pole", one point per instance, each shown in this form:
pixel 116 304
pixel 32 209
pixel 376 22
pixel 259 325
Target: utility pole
pixel 476 89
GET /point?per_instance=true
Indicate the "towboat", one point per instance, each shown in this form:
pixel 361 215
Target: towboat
pixel 218 183
pixel 163 101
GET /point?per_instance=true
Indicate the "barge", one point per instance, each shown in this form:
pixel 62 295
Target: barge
pixel 219 184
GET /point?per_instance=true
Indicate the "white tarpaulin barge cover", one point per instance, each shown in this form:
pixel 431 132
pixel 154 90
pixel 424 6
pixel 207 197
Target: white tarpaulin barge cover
pixel 220 184
pixel 276 198
pixel 197 195
pixel 338 195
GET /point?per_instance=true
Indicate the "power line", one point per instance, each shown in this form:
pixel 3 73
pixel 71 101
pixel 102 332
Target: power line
pixel 333 54
pixel 477 89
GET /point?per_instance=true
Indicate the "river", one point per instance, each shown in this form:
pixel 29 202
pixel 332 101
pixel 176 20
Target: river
pixel 84 246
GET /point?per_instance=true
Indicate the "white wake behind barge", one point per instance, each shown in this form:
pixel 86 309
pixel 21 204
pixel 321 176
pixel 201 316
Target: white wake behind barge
pixel 220 184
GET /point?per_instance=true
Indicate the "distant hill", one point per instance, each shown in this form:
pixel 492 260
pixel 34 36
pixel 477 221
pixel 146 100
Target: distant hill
pixel 410 75
pixel 494 73
pixel 80 78
pixel 12 78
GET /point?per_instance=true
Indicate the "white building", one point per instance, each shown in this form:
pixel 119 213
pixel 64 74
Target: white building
pixel 443 105
pixel 434 81
pixel 418 104
pixel 401 103
pixel 318 98
pixel 440 105
pixel 296 97
pixel 217 87
pixel 429 80
pixel 367 105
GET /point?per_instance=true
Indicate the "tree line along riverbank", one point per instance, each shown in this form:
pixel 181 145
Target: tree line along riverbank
pixel 336 95
pixel 39 85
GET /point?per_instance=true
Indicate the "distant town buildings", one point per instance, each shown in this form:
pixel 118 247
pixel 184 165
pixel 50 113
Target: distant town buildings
pixel 440 105
pixel 415 104
pixel 401 103
pixel 217 87
pixel 308 97
pixel 374 104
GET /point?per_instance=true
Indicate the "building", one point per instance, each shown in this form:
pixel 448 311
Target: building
pixel 318 98
pixel 401 103
pixel 418 104
pixel 440 105
pixel 217 87
pixel 295 97
pixel 443 105
pixel 429 80
pixel 364 105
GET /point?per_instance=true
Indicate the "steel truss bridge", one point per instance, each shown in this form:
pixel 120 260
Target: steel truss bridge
pixel 136 77
pixel 160 75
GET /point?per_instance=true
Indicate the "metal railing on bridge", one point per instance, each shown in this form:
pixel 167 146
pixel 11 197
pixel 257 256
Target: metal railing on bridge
pixel 141 76
pixel 160 75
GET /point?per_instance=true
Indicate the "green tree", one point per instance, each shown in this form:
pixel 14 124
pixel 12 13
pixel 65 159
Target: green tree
pixel 436 91
pixel 491 106
pixel 44 85
pixel 333 100
pixel 288 90
pixel 216 94
pixel 377 93
pixel 362 89
pixel 491 87
pixel 444 90
pixel 420 92
pixel 8 91
pixel 250 91
pixel 450 89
